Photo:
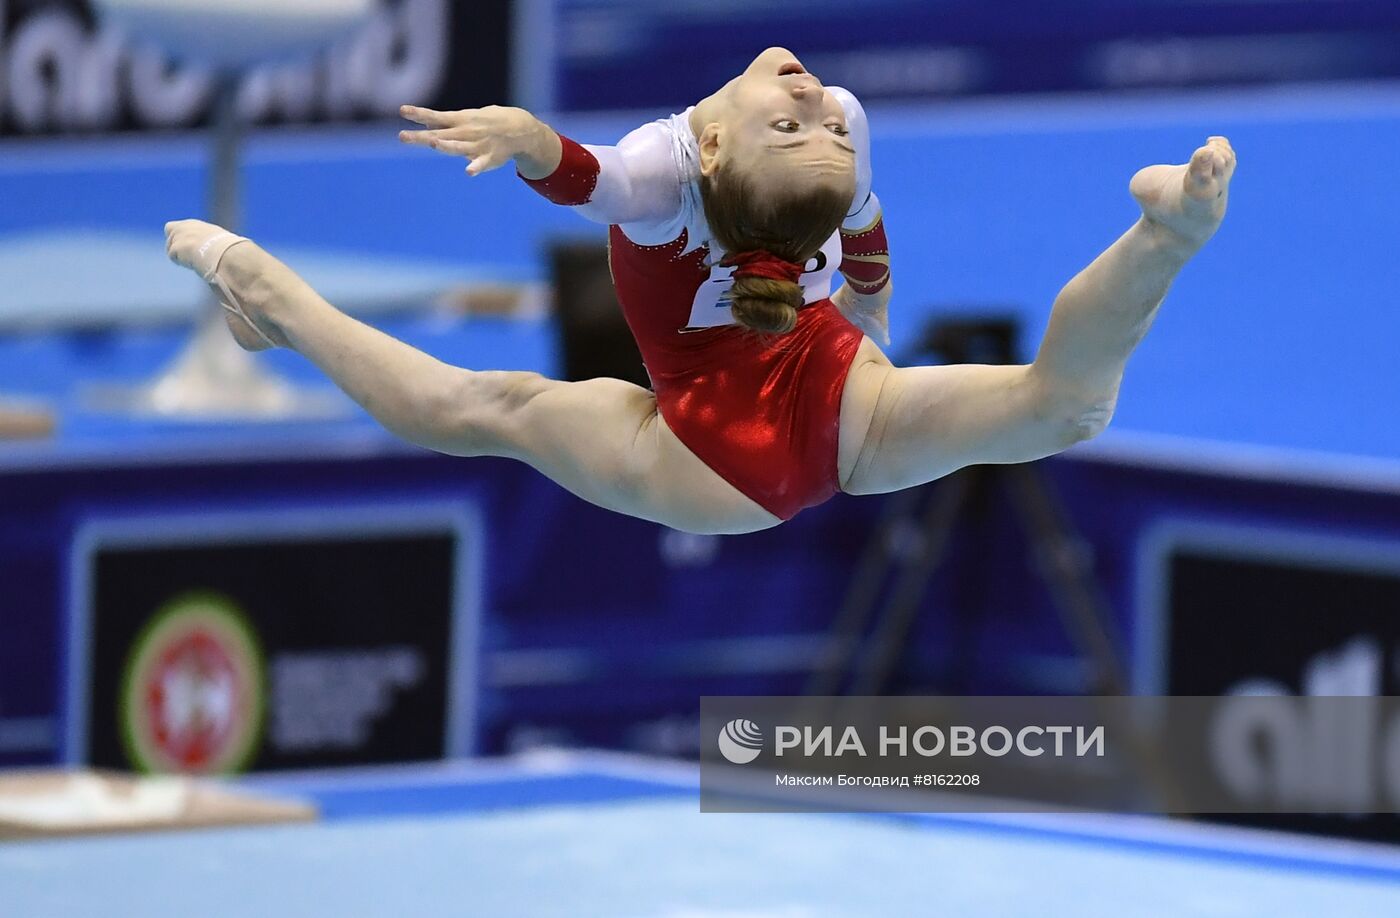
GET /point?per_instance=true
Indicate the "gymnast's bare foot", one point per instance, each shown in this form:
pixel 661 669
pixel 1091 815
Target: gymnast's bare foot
pixel 1188 201
pixel 234 268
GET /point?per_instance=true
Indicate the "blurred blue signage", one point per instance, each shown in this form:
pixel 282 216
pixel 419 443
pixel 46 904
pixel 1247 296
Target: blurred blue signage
pixel 615 54
pixel 62 71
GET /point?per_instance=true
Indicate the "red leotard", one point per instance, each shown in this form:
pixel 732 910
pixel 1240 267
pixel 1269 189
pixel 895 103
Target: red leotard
pixel 762 411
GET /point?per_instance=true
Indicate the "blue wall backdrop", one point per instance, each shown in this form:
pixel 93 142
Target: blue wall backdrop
pixel 608 49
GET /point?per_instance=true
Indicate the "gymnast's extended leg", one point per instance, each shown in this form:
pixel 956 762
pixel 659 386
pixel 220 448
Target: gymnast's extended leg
pixel 601 439
pixel 910 425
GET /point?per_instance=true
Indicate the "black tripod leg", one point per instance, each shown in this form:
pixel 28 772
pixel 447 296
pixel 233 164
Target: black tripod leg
pixel 880 555
pixel 967 591
pixel 1066 565
pixel 887 644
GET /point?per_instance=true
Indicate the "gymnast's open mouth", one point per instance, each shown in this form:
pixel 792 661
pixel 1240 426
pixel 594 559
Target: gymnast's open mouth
pixel 790 68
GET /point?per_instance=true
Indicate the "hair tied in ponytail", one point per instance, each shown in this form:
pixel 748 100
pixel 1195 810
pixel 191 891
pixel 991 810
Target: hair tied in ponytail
pixel 764 264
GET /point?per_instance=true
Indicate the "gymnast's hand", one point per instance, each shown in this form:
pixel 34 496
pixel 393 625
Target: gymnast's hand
pixel 489 137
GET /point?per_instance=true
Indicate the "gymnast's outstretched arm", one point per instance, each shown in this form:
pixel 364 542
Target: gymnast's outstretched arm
pixel 924 422
pixel 636 183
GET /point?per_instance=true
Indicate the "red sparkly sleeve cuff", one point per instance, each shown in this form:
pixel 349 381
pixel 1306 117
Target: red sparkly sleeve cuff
pixel 865 257
pixel 573 182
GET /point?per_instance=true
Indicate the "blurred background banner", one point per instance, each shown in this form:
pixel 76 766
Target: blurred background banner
pixel 1326 603
pixel 66 72
pixel 639 54
pixel 274 639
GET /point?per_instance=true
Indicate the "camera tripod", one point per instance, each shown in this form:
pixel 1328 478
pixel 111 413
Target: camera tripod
pixel 913 539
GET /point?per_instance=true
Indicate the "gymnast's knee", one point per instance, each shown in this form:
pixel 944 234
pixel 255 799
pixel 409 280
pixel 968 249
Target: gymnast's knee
pixel 484 410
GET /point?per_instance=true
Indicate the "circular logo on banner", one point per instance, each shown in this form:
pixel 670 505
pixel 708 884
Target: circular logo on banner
pixel 740 741
pixel 192 697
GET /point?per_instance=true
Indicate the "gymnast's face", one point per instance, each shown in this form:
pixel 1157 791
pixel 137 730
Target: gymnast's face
pixel 779 126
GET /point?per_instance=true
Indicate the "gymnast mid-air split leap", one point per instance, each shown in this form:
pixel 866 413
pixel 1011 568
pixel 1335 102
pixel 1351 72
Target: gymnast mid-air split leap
pixel 727 225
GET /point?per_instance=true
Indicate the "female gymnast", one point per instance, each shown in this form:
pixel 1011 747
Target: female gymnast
pixel 727 223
